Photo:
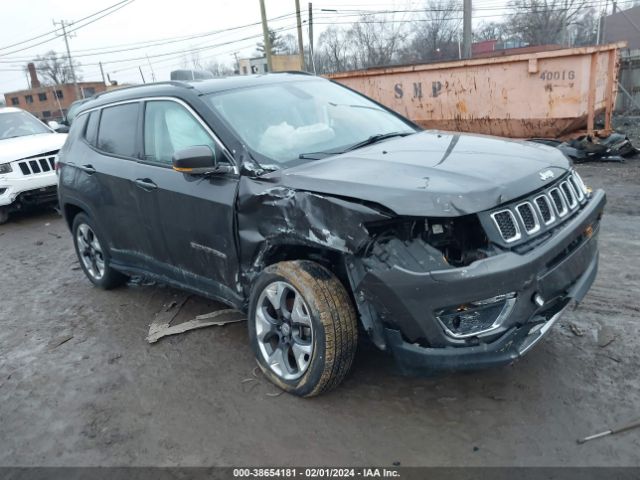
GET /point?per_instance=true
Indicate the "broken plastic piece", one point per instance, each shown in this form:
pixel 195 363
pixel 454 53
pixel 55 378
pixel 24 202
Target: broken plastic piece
pixel 157 330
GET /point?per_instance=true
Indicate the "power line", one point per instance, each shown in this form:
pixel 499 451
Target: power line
pixel 55 31
pixel 153 43
pixel 122 5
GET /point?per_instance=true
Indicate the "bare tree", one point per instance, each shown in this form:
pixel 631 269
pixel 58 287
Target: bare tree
pixel 540 22
pixel 218 69
pixel 489 31
pixel 54 68
pixel 333 53
pixel 376 40
pixel 435 35
pixel 192 61
pixel 584 29
pixel 289 44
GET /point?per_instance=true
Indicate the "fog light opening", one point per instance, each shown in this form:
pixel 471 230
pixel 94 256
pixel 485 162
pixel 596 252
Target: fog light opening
pixel 476 318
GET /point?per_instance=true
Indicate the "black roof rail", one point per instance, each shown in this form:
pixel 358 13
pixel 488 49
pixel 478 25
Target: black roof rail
pixel 175 83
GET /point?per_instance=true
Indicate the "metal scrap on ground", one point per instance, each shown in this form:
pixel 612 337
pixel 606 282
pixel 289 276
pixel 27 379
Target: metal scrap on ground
pixel 162 327
pixel 624 428
pixel 587 148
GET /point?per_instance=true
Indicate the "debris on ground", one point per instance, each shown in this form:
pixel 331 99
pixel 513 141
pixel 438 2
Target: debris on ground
pixel 162 327
pixel 588 148
pixel 576 330
pixel 606 335
pixel 624 428
pixel 55 343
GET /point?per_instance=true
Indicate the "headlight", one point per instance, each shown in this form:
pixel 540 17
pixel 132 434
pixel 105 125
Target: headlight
pixel 5 168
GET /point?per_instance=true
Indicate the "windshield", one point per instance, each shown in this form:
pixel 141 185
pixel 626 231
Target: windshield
pixel 20 124
pixel 287 120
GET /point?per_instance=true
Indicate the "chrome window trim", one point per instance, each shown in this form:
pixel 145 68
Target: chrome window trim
pixel 565 209
pixel 536 227
pixel 549 202
pixel 573 201
pixel 180 102
pixel 518 234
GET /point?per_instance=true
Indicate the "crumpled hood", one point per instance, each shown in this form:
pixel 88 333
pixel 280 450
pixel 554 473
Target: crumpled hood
pixel 29 145
pixel 433 173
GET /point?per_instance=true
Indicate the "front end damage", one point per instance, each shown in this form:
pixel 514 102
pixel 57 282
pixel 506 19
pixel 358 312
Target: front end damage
pixel 440 293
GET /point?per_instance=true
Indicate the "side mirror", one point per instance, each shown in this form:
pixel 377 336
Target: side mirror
pixel 198 160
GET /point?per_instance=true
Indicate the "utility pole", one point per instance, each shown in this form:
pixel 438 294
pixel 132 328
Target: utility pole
pixel 300 44
pixel 466 30
pixel 265 33
pixel 71 69
pixel 102 73
pixel 313 62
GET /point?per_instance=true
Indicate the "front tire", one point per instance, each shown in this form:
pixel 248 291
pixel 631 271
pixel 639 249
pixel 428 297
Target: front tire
pixel 302 327
pixel 93 254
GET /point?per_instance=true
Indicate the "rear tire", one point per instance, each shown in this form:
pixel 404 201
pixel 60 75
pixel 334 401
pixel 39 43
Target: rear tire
pixel 93 254
pixel 302 327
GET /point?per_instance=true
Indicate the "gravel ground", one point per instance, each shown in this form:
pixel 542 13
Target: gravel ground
pixel 79 385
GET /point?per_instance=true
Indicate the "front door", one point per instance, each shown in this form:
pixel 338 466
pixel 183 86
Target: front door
pixel 190 217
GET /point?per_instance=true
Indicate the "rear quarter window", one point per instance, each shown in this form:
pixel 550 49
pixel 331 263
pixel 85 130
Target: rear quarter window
pixel 117 129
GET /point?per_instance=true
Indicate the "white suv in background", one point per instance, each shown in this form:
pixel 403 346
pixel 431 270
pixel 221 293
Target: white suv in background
pixel 28 151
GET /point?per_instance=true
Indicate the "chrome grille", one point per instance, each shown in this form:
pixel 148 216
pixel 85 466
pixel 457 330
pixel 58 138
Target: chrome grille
pixel 539 213
pixel 569 196
pixel 577 188
pixel 544 207
pixel 559 202
pixel 507 225
pixel 528 217
pixel 37 165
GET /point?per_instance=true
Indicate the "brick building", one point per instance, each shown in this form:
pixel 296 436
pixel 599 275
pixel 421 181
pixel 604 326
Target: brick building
pixel 49 102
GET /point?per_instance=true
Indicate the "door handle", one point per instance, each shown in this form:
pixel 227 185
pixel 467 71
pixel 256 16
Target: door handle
pixel 145 184
pixel 87 169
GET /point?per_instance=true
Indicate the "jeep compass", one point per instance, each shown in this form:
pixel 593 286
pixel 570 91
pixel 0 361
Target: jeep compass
pixel 324 216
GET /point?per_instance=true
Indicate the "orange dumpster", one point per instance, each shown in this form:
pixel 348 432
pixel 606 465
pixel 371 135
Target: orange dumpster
pixel 544 94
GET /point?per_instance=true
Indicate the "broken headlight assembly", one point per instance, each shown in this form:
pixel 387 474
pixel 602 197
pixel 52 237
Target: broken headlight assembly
pixel 5 168
pixel 476 318
pixel 460 240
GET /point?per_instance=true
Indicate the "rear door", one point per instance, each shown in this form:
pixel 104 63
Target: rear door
pixel 193 215
pixel 105 163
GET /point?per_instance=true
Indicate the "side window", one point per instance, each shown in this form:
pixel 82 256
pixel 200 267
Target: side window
pixel 117 131
pixel 169 127
pixel 91 133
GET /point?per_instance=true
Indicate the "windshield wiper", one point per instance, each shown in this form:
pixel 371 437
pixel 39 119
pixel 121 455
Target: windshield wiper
pixel 377 138
pixel 369 141
pixel 316 155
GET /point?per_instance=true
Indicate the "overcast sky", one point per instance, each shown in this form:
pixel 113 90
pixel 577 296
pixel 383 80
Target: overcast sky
pixel 148 20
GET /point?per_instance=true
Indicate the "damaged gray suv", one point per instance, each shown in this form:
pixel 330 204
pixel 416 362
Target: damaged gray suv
pixel 326 216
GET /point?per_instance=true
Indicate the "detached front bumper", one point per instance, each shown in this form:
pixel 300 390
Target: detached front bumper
pixel 559 271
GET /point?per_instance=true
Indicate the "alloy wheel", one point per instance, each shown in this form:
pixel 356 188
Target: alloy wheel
pixel 90 251
pixel 284 330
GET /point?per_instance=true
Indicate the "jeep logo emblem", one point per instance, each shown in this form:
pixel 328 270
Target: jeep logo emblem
pixel 546 175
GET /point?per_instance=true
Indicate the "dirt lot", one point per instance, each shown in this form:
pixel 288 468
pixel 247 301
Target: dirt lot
pixel 79 385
